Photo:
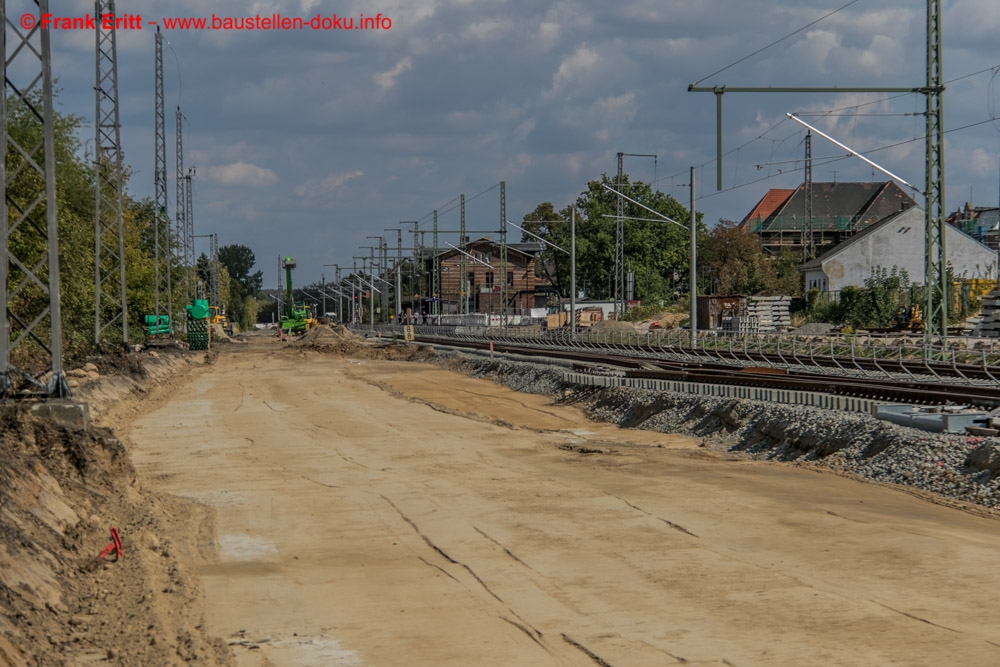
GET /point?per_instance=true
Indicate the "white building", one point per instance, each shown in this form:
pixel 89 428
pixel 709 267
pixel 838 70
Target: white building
pixel 896 241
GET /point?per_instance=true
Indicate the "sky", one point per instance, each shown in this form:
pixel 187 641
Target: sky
pixel 307 142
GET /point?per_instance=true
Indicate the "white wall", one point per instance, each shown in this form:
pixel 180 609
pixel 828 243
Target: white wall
pixel 900 243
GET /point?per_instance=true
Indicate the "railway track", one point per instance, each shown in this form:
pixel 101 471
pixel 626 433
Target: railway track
pixel 913 388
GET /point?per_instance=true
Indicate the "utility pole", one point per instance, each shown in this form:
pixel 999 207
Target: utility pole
pixel 503 255
pixel 354 293
pixel 336 281
pixel 463 276
pixel 216 298
pixel 935 256
pixel 436 273
pixel 26 64
pixel 161 238
pixel 398 270
pixel 694 268
pixel 572 272
pixel 280 287
pixel 371 289
pixel 189 259
pixel 380 240
pixel 619 296
pixel 180 200
pixel 808 241
pixel 110 303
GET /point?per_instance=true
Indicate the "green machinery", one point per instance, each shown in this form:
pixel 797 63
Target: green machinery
pixel 157 325
pixel 199 335
pixel 297 318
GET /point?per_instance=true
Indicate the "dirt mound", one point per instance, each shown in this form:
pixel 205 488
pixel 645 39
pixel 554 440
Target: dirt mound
pixel 333 338
pixel 337 339
pixel 60 492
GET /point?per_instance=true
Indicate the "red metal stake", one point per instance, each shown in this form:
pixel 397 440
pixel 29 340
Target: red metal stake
pixel 115 546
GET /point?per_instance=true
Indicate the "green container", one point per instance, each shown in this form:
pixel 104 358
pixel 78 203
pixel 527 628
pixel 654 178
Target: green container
pixel 199 309
pixel 153 327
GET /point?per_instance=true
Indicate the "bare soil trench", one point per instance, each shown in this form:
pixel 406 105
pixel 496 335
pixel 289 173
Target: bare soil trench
pixel 375 512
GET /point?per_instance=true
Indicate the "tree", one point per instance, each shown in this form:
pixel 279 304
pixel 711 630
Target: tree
pixel 243 284
pixel 735 260
pixel 239 260
pixel 554 228
pixel 653 249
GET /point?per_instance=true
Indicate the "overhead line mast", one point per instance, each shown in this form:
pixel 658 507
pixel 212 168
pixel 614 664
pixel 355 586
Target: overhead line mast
pixel 935 257
pixel 110 304
pixel 161 235
pixel 32 266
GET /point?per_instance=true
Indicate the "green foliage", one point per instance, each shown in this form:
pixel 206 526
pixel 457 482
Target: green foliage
pixel 239 260
pixel 75 177
pixel 241 283
pixel 736 263
pixel 653 250
pixel 874 306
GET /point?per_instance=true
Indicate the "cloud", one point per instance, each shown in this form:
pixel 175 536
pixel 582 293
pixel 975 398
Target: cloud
pixel 387 79
pixel 242 174
pixel 332 182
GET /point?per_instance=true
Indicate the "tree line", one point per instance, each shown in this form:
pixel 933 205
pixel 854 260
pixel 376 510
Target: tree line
pixel 656 252
pixel 75 202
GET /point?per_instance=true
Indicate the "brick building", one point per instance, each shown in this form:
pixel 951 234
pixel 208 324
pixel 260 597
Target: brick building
pixel 525 289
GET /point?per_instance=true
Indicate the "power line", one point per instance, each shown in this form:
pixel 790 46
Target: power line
pixel 684 172
pixel 831 160
pixel 777 41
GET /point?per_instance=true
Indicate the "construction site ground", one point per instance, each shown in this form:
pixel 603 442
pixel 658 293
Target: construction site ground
pixel 324 502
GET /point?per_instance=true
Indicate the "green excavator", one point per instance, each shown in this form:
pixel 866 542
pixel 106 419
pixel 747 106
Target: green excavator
pixel 297 318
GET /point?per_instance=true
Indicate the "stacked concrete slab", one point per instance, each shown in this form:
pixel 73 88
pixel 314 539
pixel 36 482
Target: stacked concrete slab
pixel 771 312
pixel 990 326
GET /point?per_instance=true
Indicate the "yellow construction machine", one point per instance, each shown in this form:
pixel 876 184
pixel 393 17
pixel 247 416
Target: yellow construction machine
pixel 218 316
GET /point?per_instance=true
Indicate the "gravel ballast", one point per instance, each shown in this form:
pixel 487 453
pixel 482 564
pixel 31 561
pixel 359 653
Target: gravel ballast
pixel 959 467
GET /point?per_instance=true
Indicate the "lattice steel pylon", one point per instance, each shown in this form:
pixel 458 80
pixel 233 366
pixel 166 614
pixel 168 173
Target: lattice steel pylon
pixel 215 297
pixel 110 303
pixel 463 274
pixel 619 295
pixel 503 253
pixel 436 273
pixel 935 255
pixel 189 259
pixel 807 240
pixel 180 201
pixel 163 253
pixel 29 243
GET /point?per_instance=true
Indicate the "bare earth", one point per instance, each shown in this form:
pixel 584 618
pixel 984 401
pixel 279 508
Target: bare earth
pixel 387 513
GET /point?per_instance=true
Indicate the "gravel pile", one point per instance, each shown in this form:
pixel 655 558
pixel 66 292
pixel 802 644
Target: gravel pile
pixel 814 329
pixel 961 467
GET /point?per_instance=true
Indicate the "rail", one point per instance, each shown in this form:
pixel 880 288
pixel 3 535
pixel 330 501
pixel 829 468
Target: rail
pixel 964 362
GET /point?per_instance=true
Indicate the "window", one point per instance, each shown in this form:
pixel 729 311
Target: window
pixel 510 279
pixel 489 279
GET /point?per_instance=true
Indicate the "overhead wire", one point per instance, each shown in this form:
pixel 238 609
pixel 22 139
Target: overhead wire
pixel 777 41
pixel 831 160
pixel 991 111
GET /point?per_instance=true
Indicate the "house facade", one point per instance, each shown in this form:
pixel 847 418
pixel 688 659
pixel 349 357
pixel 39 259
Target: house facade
pixel 897 241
